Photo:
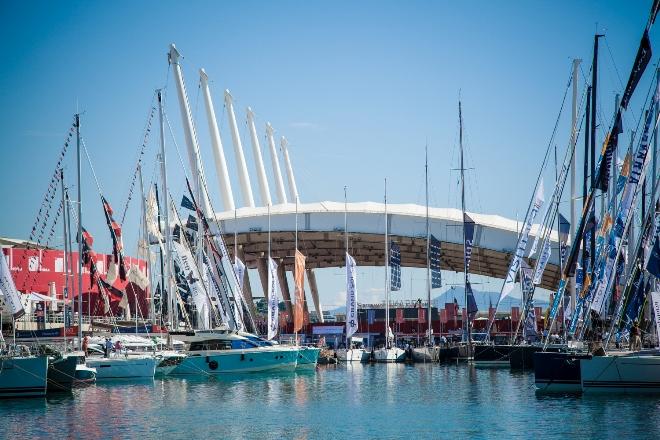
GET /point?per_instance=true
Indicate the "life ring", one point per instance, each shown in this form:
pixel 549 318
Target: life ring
pixel 213 365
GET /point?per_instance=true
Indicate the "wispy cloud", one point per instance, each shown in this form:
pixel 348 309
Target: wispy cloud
pixel 305 125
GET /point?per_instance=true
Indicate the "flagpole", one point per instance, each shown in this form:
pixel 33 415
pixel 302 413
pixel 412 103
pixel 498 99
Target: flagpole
pixel 80 263
pixel 294 275
pixel 428 249
pixel 346 260
pixel 465 267
pixel 387 273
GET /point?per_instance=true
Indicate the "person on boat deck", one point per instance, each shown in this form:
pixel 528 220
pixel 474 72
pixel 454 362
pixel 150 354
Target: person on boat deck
pixel 85 344
pixel 118 346
pixel 108 347
pixel 635 337
pixel 617 339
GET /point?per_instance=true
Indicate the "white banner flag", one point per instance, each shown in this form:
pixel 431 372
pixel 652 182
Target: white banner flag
pixel 273 300
pixel 655 298
pixel 239 267
pixel 510 280
pixel 8 289
pixel 543 261
pixel 186 263
pixel 351 297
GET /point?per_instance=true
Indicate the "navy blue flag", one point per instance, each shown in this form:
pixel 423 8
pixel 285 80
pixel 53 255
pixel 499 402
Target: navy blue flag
pixel 186 203
pixel 635 302
pixel 564 230
pixel 641 61
pixel 371 316
pixel 610 149
pixel 468 225
pixel 472 308
pixel 395 266
pixel 434 256
pixel 653 265
pixel 192 223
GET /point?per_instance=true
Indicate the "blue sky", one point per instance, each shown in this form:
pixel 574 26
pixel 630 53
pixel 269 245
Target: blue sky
pixel 357 87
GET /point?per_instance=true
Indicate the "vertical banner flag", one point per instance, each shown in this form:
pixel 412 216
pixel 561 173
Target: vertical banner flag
pixel 115 233
pixel 653 264
pixel 557 299
pixel 641 61
pixel 273 300
pixel 299 278
pixel 510 280
pixel 8 289
pixel 239 267
pixel 351 297
pixel 655 303
pixel 399 316
pixel 472 308
pixel 530 320
pixel 468 224
pixel 190 273
pixel 564 231
pixel 607 152
pixel 542 262
pixel 434 251
pixel 395 266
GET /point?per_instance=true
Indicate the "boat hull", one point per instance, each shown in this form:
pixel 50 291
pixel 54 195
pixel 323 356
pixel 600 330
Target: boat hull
pixel 124 368
pixel 389 355
pixel 621 374
pixel 62 374
pixel 558 372
pixel 351 355
pixel 23 377
pixel 308 357
pixel 492 356
pixel 425 354
pixel 237 361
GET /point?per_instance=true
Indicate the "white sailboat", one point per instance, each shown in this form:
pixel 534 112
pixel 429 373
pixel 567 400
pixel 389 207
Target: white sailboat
pixel 390 352
pixel 350 353
pixel 428 353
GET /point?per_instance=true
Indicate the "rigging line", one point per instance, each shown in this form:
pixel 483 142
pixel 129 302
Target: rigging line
pixel 89 161
pixel 176 146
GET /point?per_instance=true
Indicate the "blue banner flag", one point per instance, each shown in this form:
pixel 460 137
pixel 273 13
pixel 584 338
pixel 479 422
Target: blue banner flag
pixel 468 225
pixel 371 316
pixel 395 266
pixel 558 296
pixel 472 308
pixel 186 203
pixel 434 256
pixel 564 231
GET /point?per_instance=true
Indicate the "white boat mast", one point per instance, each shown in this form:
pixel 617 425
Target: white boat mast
pixel 80 236
pixel 428 247
pixel 216 142
pixel 167 249
pixel 387 278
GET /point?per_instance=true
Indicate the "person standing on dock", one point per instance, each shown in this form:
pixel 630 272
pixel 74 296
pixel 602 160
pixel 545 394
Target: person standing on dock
pixel 635 337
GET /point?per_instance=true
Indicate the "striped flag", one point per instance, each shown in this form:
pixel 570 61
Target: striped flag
pixel 434 256
pixel 115 233
pixel 395 266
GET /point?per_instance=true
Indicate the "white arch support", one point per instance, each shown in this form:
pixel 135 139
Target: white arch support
pixel 256 150
pixel 243 176
pixel 274 159
pixel 218 150
pixel 293 189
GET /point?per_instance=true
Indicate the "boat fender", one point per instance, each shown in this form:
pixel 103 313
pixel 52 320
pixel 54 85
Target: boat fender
pixel 242 356
pixel 213 365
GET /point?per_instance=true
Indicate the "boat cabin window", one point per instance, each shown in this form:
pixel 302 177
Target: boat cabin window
pixel 242 344
pixel 213 344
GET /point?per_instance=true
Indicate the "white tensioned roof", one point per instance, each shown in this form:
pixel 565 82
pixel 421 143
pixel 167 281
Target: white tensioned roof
pixel 321 237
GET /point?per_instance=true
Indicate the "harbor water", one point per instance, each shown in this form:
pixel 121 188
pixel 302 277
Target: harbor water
pixel 344 401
